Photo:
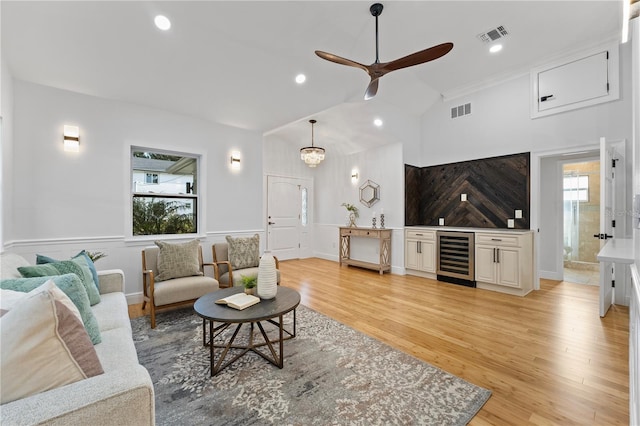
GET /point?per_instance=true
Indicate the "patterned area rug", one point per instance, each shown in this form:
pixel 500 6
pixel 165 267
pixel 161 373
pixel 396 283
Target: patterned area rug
pixel 332 375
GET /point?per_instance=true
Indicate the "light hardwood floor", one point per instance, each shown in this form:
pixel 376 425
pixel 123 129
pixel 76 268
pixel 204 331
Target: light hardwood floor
pixel 548 357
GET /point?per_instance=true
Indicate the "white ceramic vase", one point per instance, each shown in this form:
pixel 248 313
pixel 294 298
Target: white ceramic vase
pixel 267 277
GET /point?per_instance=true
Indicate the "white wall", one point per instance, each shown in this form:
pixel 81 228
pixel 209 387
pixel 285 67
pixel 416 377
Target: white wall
pixel 64 202
pixel 499 123
pixel 6 151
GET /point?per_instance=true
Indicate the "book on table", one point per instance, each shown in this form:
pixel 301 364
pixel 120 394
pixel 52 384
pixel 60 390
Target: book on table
pixel 239 301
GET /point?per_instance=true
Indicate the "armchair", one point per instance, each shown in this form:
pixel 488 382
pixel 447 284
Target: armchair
pixel 225 274
pixel 175 291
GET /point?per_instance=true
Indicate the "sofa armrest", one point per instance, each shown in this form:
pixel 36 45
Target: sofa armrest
pixel 117 398
pixel 111 281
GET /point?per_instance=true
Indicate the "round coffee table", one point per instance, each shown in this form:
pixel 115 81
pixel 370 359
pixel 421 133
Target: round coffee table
pixel 286 300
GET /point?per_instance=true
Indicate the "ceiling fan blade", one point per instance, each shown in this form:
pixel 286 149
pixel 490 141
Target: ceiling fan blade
pixel 339 60
pixel 420 57
pixel 372 89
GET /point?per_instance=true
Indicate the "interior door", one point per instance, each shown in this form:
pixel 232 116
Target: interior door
pixel 607 213
pixel 287 217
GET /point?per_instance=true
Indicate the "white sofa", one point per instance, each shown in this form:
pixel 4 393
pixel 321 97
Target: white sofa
pixel 123 395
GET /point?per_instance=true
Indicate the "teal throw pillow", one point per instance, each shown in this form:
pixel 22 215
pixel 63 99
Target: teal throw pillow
pixel 76 266
pixel 71 285
pixel 41 259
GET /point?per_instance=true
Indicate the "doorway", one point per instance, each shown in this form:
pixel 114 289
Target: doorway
pixel 581 221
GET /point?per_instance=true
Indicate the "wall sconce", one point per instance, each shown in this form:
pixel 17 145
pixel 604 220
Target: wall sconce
pixel 354 176
pixel 235 160
pixel 71 138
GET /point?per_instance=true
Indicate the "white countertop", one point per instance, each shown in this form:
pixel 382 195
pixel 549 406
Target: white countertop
pixel 463 229
pixel 619 250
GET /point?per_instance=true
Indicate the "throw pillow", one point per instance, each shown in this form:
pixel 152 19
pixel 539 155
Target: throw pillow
pixel 44 346
pixel 76 266
pixel 177 260
pixel 71 286
pixel 244 252
pixel 40 259
pixel 8 299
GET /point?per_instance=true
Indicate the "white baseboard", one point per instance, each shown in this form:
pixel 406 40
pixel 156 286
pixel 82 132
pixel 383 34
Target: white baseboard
pixel 551 275
pixel 134 298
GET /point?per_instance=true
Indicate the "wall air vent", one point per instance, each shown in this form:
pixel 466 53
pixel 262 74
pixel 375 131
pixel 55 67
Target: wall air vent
pixel 460 110
pixel 493 34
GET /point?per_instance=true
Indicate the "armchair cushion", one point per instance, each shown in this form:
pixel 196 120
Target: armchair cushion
pixel 177 260
pixel 244 252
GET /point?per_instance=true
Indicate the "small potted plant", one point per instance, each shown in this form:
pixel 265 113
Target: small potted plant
pixel 353 213
pixel 250 282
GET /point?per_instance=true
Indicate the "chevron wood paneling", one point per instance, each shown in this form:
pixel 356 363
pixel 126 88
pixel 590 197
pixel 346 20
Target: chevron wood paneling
pixel 495 188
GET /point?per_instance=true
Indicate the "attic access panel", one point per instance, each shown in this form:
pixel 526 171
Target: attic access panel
pixel 575 82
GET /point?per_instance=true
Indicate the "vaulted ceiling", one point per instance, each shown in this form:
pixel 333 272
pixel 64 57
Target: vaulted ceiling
pixel 234 62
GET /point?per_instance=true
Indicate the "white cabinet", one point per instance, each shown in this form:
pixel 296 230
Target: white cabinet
pixel 504 262
pixel 575 82
pixel 420 252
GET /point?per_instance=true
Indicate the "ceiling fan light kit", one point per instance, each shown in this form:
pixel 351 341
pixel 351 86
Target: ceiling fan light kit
pixel 312 155
pixel 378 69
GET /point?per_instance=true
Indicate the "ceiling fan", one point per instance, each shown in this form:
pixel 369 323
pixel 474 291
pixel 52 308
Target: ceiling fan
pixel 378 69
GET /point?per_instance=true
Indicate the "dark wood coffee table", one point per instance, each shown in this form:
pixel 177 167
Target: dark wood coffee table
pixel 286 300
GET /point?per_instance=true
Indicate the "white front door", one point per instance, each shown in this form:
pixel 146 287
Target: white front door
pixel 288 220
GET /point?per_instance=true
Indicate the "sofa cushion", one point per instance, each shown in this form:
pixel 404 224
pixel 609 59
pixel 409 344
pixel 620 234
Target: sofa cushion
pixel 43 338
pixel 177 260
pixel 41 259
pixel 9 264
pixel 112 312
pixel 76 266
pixel 71 286
pixel 244 252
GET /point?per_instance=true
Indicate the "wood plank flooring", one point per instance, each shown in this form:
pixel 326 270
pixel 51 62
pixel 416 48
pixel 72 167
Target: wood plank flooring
pixel 548 358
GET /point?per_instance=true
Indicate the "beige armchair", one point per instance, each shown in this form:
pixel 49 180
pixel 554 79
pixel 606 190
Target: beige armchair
pixel 225 274
pixel 174 291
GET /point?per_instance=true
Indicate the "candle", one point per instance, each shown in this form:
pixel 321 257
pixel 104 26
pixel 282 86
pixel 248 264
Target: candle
pixel 381 211
pixel 374 215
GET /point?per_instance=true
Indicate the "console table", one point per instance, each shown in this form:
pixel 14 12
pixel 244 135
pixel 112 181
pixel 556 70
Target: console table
pixel 384 240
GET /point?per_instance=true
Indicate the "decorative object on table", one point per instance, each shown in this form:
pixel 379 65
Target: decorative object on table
pixel 353 214
pixel 351 369
pixel 381 219
pixel 312 155
pixel 267 277
pixel 373 221
pixel 250 282
pixel 369 193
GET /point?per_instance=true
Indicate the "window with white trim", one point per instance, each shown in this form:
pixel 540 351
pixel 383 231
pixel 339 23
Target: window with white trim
pixel 576 188
pixel 164 196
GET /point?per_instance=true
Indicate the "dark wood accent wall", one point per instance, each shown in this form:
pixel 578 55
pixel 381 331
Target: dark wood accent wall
pixel 495 188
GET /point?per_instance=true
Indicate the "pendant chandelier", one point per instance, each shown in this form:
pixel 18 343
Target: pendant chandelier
pixel 312 155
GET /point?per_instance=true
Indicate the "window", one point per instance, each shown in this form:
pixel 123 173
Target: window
pixel 164 192
pixel 576 188
pixel 151 178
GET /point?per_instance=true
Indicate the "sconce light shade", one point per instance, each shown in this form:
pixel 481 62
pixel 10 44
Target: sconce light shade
pixel 71 139
pixel 235 160
pixel 312 155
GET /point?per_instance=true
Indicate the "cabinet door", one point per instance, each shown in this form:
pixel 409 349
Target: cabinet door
pixel 428 256
pixel 485 265
pixel 411 256
pixel 509 267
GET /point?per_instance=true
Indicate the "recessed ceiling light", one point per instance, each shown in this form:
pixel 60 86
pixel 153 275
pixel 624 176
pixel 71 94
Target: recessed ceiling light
pixel 495 48
pixel 301 78
pixel 162 22
pixel 377 122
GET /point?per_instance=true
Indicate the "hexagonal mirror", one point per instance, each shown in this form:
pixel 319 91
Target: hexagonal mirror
pixel 369 193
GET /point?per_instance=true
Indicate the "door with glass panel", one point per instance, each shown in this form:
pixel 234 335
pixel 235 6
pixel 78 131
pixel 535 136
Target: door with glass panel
pixel 288 217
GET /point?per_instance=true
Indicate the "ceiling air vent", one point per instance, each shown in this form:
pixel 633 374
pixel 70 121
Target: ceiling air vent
pixel 493 34
pixel 460 110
